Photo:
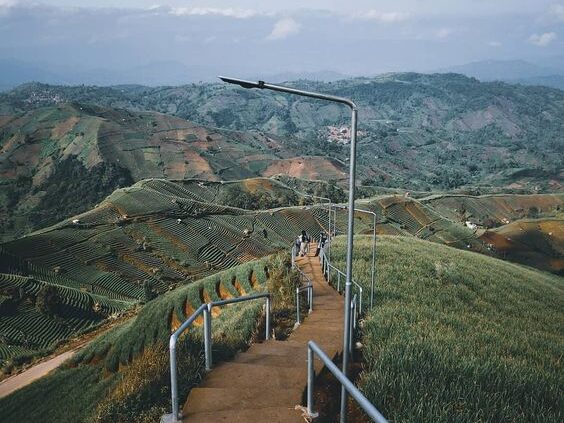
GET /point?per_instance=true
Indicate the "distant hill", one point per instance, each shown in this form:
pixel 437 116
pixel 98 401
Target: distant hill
pixel 513 71
pixel 61 160
pixel 554 81
pixel 323 76
pixel 501 70
pixel 14 73
pixel 419 132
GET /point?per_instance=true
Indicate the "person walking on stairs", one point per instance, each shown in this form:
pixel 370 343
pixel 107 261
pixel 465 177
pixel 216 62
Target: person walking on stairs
pixel 304 243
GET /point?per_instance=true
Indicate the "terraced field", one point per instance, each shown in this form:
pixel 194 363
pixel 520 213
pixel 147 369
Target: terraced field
pixel 442 219
pixel 124 375
pixel 157 235
pixel 27 328
pixel 538 243
pixel 494 209
pixel 62 160
pixel 138 243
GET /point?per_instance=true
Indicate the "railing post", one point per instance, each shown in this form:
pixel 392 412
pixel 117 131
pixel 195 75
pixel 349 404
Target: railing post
pixel 298 306
pixel 310 380
pixel 173 382
pixel 338 282
pixel 267 336
pixel 207 337
pixel 367 406
pixel 352 325
pixel 310 294
pixel 361 299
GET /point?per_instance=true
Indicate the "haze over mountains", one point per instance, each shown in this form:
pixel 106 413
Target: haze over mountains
pixel 175 43
pixel 549 72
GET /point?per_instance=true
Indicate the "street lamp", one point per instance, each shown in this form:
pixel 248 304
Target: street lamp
pixel 352 177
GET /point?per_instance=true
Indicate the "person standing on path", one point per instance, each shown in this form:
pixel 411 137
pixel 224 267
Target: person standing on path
pixel 304 242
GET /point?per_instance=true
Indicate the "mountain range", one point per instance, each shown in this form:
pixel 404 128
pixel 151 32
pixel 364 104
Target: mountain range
pixel 547 73
pixel 63 148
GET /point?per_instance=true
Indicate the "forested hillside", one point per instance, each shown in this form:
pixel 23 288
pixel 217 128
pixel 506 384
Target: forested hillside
pixel 416 131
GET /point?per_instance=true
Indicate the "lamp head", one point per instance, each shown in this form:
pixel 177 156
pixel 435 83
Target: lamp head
pixel 242 82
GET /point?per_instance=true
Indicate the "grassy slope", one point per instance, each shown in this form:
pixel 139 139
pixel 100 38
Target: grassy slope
pixel 456 336
pixel 124 374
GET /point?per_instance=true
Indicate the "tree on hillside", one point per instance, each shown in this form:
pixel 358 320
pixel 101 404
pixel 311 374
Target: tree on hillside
pixel 233 195
pixel 148 291
pixel 533 212
pixel 47 300
pixel 332 191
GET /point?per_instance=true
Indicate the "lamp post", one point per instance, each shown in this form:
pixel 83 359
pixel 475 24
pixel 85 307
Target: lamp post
pixel 352 177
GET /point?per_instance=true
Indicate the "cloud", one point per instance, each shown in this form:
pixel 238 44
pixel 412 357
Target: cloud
pixel 542 40
pixel 384 17
pixel 205 11
pixel 556 11
pixel 5 5
pixel 495 44
pixel 283 28
pixel 443 33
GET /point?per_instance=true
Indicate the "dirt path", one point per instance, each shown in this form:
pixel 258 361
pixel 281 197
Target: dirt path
pixel 7 386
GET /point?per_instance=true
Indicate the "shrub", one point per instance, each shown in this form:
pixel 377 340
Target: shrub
pixel 48 300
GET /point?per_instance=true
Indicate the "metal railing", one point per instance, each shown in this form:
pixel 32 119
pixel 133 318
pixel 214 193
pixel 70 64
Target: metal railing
pixel 365 404
pixel 299 290
pixel 352 323
pixel 327 267
pixel 204 309
pixel 307 287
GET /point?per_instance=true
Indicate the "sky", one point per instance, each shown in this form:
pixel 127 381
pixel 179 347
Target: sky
pixel 244 37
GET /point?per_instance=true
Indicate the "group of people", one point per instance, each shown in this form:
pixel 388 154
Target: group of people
pixel 302 243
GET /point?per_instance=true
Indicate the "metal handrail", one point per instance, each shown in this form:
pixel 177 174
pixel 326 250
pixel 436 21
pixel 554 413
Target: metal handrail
pixel 326 267
pixel 352 323
pixel 300 289
pixel 365 404
pixel 206 310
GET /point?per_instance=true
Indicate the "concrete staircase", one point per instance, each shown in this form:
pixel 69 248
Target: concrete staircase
pixel 265 383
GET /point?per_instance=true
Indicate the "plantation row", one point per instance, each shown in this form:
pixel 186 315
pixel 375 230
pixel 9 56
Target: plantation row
pixel 495 209
pixel 31 322
pixel 159 242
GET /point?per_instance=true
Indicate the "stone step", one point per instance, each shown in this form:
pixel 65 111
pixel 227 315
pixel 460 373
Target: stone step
pixel 242 375
pixel 208 399
pixel 277 348
pixel 270 415
pixel 273 360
